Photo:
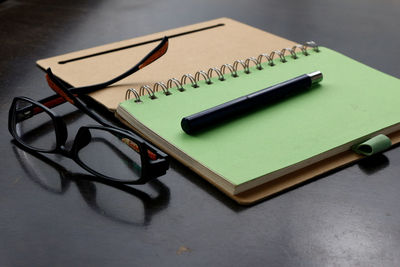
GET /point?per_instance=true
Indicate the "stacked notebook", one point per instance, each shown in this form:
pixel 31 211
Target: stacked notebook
pixel 260 153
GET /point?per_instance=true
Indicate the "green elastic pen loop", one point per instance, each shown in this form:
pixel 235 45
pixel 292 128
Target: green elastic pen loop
pixel 374 145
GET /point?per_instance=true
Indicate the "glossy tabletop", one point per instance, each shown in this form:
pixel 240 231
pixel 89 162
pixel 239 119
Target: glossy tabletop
pixel 57 215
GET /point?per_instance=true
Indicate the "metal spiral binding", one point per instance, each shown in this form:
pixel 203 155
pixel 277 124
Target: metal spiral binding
pixel 221 72
pixel 216 70
pixel 236 66
pixel 149 91
pixel 205 76
pixel 191 78
pixel 230 68
pixel 163 87
pixel 255 61
pixel 134 92
pixel 176 82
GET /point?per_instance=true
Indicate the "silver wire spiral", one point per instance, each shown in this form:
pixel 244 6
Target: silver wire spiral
pixel 134 92
pixel 222 71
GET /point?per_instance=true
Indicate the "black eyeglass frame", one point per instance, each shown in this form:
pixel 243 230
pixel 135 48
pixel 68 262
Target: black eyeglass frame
pixel 150 168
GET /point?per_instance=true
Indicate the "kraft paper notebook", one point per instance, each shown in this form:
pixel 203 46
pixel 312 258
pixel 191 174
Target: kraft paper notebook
pixel 272 149
pixel 191 48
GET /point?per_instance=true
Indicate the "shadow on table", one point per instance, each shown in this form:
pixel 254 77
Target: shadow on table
pixel 116 201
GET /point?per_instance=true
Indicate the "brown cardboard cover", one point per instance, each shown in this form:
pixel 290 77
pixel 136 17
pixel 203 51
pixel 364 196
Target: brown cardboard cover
pixel 188 53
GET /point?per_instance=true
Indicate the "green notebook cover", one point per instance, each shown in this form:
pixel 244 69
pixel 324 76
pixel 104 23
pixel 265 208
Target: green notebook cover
pixel 352 103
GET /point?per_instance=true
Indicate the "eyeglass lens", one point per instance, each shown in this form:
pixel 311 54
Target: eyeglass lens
pixel 33 126
pixel 111 156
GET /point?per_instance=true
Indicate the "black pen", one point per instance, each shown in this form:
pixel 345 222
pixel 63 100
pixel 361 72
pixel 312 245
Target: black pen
pixel 209 117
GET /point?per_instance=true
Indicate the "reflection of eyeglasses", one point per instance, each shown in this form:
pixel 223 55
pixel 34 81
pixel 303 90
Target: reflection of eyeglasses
pixel 108 152
pixel 96 191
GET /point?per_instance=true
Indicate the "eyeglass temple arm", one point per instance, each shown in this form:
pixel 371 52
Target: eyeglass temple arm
pixel 57 86
pixel 156 53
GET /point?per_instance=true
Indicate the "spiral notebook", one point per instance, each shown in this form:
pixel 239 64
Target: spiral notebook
pixel 262 153
pixel 275 146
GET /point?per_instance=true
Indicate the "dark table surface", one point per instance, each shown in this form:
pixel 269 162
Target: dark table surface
pixel 53 217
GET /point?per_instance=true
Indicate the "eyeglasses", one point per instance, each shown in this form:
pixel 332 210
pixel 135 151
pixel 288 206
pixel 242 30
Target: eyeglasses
pixel 106 151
